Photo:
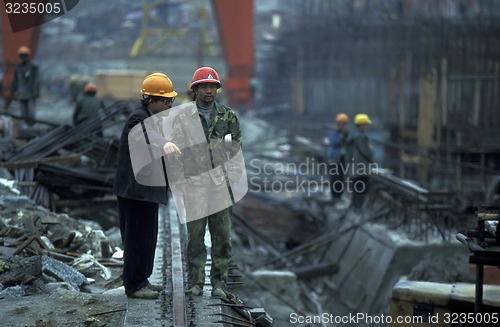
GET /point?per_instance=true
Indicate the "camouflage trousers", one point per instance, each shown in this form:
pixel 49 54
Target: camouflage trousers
pixel 219 226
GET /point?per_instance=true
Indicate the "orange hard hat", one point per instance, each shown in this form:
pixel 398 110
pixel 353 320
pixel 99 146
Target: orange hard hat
pixel 24 50
pixel 158 84
pixel 89 87
pixel 342 118
pixel 205 75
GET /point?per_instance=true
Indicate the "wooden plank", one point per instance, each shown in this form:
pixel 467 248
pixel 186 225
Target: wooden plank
pixel 33 163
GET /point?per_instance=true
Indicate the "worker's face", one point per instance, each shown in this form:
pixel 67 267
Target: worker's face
pixel 341 126
pixel 363 127
pixel 24 57
pixel 205 92
pixel 160 105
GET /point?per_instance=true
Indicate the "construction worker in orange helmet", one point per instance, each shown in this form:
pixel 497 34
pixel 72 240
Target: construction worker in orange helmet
pixel 88 105
pixel 25 85
pixel 138 202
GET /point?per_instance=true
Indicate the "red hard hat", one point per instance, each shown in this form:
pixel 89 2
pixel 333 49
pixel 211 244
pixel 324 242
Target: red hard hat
pixel 205 75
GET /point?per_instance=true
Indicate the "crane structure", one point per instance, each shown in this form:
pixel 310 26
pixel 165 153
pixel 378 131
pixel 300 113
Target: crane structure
pixel 159 35
pixel 235 19
pixel 235 26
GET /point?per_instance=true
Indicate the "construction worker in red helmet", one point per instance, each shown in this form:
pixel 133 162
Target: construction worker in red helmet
pixel 336 151
pixel 219 123
pixel 25 85
pixel 138 202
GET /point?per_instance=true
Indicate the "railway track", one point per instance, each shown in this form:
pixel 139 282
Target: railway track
pixel 174 308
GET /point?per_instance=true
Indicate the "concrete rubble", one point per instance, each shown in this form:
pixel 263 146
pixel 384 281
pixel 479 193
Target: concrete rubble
pixel 298 252
pixel 51 257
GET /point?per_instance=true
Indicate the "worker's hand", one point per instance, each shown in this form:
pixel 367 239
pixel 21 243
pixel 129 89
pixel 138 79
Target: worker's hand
pixel 171 148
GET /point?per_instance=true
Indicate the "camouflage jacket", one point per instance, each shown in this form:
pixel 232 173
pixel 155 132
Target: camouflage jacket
pixel 204 148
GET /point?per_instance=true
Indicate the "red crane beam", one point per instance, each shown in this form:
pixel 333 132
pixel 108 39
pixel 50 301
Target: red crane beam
pixel 235 20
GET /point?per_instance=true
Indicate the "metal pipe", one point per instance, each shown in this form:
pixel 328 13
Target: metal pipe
pixel 469 242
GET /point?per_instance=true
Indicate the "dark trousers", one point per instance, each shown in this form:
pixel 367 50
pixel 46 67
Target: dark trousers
pixel 139 231
pixel 337 180
pixel 28 111
pixel 360 188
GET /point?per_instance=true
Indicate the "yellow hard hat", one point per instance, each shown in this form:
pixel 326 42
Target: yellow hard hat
pixel 158 84
pixel 24 50
pixel 360 119
pixel 342 118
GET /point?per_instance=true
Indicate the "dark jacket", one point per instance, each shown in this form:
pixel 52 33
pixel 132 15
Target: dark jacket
pixel 336 146
pixel 125 181
pixel 25 81
pixel 88 106
pixel 358 155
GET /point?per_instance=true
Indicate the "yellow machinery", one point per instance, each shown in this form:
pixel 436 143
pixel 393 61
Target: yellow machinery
pixel 419 304
pixel 153 38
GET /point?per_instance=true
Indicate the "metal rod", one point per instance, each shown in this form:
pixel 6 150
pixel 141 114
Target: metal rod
pixel 479 292
pixel 179 312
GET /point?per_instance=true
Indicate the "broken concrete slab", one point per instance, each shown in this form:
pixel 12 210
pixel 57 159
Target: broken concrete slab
pixel 62 272
pixel 282 289
pixel 14 291
pixel 6 251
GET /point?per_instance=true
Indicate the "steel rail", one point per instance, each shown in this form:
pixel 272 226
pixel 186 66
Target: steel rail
pixel 178 301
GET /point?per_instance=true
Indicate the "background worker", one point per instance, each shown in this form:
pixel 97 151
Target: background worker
pixel 217 120
pixel 336 150
pixel 361 157
pixel 88 106
pixel 25 85
pixel 74 90
pixel 138 203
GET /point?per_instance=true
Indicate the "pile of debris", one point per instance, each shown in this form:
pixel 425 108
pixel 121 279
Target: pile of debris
pixel 41 251
pixel 68 166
